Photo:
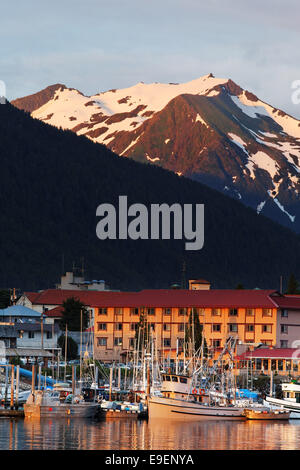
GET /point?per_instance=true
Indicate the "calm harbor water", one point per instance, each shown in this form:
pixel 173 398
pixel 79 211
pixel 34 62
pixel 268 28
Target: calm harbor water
pixel 126 434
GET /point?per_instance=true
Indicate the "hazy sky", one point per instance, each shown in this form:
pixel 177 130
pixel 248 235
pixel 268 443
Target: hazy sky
pixel 96 45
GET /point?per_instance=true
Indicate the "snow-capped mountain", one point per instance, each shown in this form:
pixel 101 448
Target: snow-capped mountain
pixel 208 129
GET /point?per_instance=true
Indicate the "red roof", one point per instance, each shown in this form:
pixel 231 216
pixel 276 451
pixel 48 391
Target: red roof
pixel 55 312
pixel 163 298
pixel 265 353
pixel 288 302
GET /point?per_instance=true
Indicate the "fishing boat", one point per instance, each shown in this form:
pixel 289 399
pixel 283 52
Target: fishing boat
pixel 266 414
pixel 59 403
pixel 180 400
pixel 290 400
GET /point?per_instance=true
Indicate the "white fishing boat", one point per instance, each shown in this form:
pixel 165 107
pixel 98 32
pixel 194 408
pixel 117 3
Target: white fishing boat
pixel 180 400
pixel 290 400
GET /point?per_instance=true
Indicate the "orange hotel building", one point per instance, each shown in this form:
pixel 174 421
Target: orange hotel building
pixel 253 316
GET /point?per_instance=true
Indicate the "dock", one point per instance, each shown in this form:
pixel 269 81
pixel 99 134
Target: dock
pixel 6 412
pixel 109 413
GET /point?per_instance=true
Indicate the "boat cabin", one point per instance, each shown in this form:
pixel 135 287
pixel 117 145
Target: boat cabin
pixel 291 392
pixel 181 387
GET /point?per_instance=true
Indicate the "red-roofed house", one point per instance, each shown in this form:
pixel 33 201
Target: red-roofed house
pixel 284 361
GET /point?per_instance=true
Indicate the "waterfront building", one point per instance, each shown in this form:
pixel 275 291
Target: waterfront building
pixel 254 317
pixel 282 361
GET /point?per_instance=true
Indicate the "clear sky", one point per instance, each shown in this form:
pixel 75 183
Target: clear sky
pixel 96 45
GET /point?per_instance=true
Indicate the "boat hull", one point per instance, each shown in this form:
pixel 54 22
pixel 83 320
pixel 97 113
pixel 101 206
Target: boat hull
pixel 80 410
pixel 160 407
pixel 267 416
pixel 293 408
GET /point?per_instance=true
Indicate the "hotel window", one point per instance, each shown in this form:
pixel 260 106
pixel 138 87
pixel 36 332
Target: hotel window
pixel 233 327
pixel 195 311
pixel 216 312
pixel 152 326
pixel 167 342
pixel 102 341
pixel 31 334
pixel 288 364
pixel 233 312
pixel 280 364
pixel 151 311
pixel 131 342
pixel 201 311
pixel 102 311
pixel 284 313
pixel 216 327
pixel 267 312
pixel 180 342
pixel 284 329
pixel 216 343
pixel 249 327
pixel 183 311
pixel 295 365
pixel 118 342
pixel 266 328
pixel 119 326
pixel 134 326
pixel 284 343
pixel 250 312
pixel 167 327
pixel 180 326
pixel 267 342
pixel 102 326
pixel 134 311
pixel 118 311
pixel 167 311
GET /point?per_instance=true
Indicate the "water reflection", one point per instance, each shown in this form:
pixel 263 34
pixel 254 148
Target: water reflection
pixel 156 434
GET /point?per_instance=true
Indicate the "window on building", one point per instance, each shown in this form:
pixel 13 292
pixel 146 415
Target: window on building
pixel 152 326
pixel 118 311
pixel 249 327
pixel 216 343
pixel 288 364
pixel 233 327
pixel 180 326
pixel 201 311
pixel 280 364
pixel 233 312
pixel 258 364
pixel 284 313
pixel 284 329
pixel 31 334
pixel 134 311
pixel 265 364
pixel 283 343
pixel 49 335
pixel 167 327
pixel 119 326
pixel 102 311
pixel 151 311
pixel 216 327
pixel 183 311
pixel 295 365
pixel 102 326
pixel 134 326
pixel 267 312
pixel 267 342
pixel 167 311
pixel 216 312
pixel 180 342
pixel 102 341
pixel 117 341
pixel 266 328
pixel 250 312
pixel 131 342
pixel 167 342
